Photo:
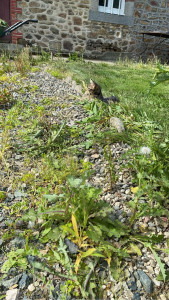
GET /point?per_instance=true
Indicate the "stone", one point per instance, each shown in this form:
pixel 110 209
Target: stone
pixel 67 45
pixel 157 283
pixel 146 281
pixel 12 294
pixel 31 288
pixel 10 282
pixel 77 21
pixel 163 297
pixel 132 284
pixel 24 281
pixel 117 123
pixel 54 30
pixel 136 296
pixel 95 155
pixel 42 17
pixel 18 194
pixel 18 242
pixel 72 247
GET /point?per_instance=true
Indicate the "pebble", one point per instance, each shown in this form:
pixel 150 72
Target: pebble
pixel 31 287
pixel 157 283
pixel 12 294
pixel 163 297
pixel 136 296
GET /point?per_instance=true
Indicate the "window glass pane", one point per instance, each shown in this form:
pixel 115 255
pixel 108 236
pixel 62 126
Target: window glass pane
pixel 116 4
pixel 103 2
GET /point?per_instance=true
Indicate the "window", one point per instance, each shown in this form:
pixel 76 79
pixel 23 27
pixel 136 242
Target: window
pixel 112 6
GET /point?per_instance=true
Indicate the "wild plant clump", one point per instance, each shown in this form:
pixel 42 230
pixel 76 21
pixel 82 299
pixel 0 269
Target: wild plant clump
pixel 61 208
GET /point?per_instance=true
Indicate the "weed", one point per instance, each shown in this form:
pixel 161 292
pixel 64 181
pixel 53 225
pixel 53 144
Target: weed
pixel 6 98
pixel 76 57
pixel 22 61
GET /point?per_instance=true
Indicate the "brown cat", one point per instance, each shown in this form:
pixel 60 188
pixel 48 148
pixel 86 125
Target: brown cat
pixel 95 92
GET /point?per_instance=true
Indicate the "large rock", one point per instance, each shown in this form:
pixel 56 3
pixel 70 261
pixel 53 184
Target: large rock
pixel 117 123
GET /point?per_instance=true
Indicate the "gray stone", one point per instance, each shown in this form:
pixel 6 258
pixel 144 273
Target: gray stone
pixel 68 45
pixel 8 283
pixel 132 284
pixel 24 281
pixel 18 242
pixel 18 194
pixel 3 225
pixel 117 123
pixel 136 296
pixel 72 247
pixel 146 281
pixel 54 30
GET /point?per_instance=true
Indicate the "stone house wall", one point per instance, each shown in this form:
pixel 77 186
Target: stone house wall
pixel 68 26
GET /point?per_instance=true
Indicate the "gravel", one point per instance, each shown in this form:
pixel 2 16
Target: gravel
pixel 140 280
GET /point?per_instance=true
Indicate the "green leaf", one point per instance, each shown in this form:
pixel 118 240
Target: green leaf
pixel 46 231
pixel 94 233
pixel 54 234
pixel 161 265
pixel 134 249
pixel 51 198
pixel 89 252
pixel 74 182
pixel 160 276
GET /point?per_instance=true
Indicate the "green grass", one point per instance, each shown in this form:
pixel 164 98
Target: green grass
pixel 55 177
pixel 131 83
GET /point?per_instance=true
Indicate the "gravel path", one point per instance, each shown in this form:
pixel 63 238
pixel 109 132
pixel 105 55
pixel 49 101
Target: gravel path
pixel 140 271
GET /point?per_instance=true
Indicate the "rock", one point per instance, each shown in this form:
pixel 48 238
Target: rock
pixel 95 155
pixel 8 283
pixel 10 196
pixel 24 281
pixel 157 283
pixel 3 225
pixel 31 224
pixel 18 194
pixel 146 281
pixel 18 242
pixel 20 224
pixel 18 157
pixel 31 288
pixel 136 296
pixel 31 259
pixel 72 247
pixel 132 284
pixel 113 217
pixel 12 294
pixel 163 297
pixel 117 123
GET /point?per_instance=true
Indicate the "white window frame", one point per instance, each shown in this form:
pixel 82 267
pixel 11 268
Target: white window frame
pixel 109 9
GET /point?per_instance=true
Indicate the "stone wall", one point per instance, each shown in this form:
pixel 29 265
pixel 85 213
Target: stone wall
pixel 151 15
pixel 69 26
